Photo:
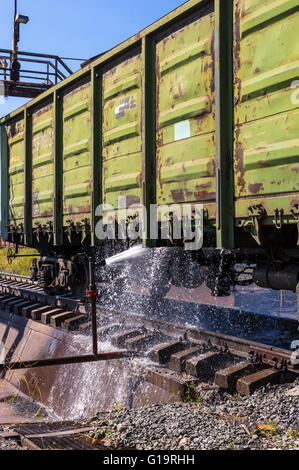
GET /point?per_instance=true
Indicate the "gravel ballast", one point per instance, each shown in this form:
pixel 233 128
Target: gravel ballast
pixel 268 419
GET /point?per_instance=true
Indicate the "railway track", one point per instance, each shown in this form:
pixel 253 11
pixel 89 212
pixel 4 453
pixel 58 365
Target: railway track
pixel 181 359
pixel 181 356
pixel 23 297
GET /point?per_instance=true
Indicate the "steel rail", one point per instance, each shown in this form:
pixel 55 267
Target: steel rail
pixel 251 350
pixel 280 359
pixel 63 300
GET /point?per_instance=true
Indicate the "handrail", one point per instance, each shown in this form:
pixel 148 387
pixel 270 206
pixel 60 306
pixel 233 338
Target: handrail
pixel 47 70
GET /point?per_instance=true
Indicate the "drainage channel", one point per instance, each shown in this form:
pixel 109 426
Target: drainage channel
pixel 64 435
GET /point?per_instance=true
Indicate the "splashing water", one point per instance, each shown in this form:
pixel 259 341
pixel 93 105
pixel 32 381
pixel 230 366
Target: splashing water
pixel 83 390
pixel 128 256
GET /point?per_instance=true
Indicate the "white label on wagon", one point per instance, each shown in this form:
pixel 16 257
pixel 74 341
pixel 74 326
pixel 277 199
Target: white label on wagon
pixel 182 130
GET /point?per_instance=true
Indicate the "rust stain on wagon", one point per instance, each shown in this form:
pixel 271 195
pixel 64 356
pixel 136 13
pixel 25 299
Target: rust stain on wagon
pixel 205 196
pixel 42 111
pixel 180 195
pixel 239 162
pixel 237 54
pixel 255 188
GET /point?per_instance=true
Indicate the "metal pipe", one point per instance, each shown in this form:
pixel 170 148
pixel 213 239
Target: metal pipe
pixel 28 84
pixel 39 72
pixel 287 278
pixel 14 37
pixel 35 54
pixel 92 294
pixel 110 356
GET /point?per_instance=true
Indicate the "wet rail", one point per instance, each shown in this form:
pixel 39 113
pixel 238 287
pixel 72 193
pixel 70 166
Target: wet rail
pixel 181 355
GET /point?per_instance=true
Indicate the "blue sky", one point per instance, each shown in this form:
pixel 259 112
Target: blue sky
pixel 76 28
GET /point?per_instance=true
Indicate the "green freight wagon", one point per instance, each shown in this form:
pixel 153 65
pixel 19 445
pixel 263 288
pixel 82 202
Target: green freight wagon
pixel 199 109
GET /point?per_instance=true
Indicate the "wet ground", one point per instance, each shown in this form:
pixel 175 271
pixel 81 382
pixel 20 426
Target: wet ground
pixel 259 315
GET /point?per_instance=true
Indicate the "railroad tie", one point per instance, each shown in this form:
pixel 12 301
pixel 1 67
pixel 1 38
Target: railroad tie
pixel 227 378
pixel 14 302
pixel 57 320
pixel 177 361
pixel 85 328
pixel 163 352
pixel 17 308
pixel 72 323
pixel 172 382
pixel 4 296
pixel 120 339
pixel 107 330
pixel 26 311
pixel 4 302
pixel 46 316
pixel 4 299
pixel 247 385
pixel 143 341
pixel 205 365
pixel 37 312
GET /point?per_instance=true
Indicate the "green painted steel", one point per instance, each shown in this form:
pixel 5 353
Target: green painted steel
pixel 148 133
pixel 185 113
pixel 58 168
pixel 28 178
pixel 77 174
pixel 16 162
pixel 266 63
pixel 43 164
pixel 200 107
pixel 96 126
pixel 4 183
pixel 122 142
pixel 224 124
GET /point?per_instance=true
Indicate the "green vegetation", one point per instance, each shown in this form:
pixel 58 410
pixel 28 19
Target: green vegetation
pixel 192 395
pixel 18 265
pixel 293 433
pixel 232 446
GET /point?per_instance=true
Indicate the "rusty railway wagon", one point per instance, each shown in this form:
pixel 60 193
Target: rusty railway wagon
pixel 199 108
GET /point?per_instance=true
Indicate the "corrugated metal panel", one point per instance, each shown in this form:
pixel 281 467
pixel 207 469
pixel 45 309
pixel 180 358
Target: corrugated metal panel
pixel 266 116
pixel 15 132
pixel 185 114
pixel 122 158
pixel 76 153
pixel 42 164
